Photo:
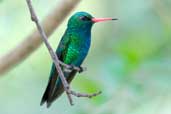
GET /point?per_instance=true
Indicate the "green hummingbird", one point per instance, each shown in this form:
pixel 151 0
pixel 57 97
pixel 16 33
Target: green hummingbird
pixel 72 50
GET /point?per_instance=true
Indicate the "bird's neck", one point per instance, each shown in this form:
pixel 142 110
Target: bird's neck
pixel 84 32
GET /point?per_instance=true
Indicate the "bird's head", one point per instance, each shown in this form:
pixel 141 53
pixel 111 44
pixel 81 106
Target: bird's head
pixel 83 20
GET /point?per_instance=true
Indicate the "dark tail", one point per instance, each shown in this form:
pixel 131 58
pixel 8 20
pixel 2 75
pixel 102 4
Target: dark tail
pixel 49 90
pixel 54 90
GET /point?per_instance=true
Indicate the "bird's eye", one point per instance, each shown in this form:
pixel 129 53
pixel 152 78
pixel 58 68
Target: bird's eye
pixel 85 18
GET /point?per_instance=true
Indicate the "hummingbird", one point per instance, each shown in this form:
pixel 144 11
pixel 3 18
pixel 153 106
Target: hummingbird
pixel 72 50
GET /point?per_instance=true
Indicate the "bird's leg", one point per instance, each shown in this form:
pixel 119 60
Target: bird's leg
pixel 73 67
pixel 69 68
pixel 82 69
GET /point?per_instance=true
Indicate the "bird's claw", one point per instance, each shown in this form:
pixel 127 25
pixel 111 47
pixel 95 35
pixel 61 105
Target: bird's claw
pixel 79 68
pixel 82 69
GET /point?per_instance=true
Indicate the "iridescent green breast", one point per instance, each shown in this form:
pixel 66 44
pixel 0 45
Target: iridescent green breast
pixel 77 49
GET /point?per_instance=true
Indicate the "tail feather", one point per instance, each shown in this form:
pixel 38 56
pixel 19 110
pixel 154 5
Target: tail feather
pixel 55 88
pixel 53 91
pixel 49 90
pixel 45 95
pixel 59 89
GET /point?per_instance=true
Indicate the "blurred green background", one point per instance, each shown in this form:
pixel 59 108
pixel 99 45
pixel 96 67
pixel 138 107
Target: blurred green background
pixel 129 59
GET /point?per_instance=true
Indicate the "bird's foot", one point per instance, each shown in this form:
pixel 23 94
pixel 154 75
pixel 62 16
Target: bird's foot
pixel 82 69
pixel 69 68
pixel 78 68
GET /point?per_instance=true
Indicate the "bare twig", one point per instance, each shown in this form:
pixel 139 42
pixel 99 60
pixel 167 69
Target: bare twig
pixel 55 59
pixel 33 41
pixel 53 55
pixel 85 95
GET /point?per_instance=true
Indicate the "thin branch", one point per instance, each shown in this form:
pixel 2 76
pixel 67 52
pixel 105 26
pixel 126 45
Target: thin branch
pixel 55 59
pixel 52 53
pixel 85 95
pixel 33 41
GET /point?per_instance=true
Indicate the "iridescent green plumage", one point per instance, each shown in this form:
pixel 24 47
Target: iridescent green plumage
pixel 72 50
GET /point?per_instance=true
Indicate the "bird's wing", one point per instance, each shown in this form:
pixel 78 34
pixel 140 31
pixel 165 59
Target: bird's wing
pixel 63 46
pixel 61 50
